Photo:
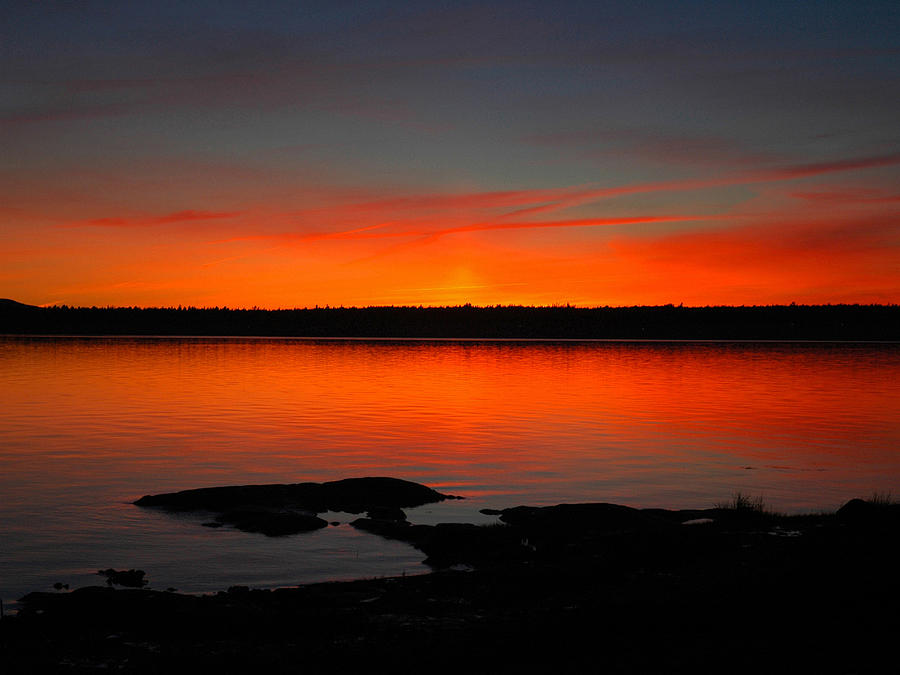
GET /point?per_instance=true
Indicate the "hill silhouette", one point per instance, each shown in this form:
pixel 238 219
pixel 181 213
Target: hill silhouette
pixel 6 303
pixel 772 322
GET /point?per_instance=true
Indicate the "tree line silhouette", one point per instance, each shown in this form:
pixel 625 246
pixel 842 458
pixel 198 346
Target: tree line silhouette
pixel 774 322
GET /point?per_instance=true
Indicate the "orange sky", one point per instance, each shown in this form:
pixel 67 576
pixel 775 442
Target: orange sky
pixel 785 239
pixel 438 156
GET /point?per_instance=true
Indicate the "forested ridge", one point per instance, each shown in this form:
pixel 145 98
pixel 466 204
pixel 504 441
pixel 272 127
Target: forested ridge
pixel 772 322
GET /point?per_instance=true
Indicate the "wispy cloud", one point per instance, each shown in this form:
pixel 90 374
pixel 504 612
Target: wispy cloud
pixel 376 231
pixel 847 196
pixel 433 216
pixel 189 215
pixel 765 175
pixel 59 114
pixel 820 168
pixel 654 145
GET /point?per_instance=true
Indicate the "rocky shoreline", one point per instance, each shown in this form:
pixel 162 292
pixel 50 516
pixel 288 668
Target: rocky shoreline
pixel 568 588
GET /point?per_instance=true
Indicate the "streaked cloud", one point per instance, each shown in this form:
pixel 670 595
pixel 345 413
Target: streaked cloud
pixel 186 216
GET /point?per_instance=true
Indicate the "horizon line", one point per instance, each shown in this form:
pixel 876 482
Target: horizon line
pixel 467 305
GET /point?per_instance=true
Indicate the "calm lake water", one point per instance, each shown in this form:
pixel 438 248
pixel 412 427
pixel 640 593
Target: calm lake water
pixel 89 425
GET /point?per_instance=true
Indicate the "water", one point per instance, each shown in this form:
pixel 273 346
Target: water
pixel 89 425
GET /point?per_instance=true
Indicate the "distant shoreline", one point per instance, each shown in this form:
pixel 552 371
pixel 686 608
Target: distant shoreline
pixel 456 340
pixel 802 323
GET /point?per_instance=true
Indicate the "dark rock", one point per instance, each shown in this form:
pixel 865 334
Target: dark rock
pixel 869 513
pixel 581 517
pixel 453 543
pixel 682 516
pixel 386 513
pixel 232 496
pixel 380 492
pixel 527 532
pixel 38 597
pixel 130 578
pixel 350 494
pixel 60 586
pixel 94 590
pixel 448 544
pixel 272 523
pixel 855 509
pixel 281 509
pixel 392 529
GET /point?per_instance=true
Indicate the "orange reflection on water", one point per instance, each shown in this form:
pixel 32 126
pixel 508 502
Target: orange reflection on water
pixel 646 424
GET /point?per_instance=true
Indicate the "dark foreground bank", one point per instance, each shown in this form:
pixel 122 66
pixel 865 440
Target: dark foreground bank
pixel 793 322
pixel 572 588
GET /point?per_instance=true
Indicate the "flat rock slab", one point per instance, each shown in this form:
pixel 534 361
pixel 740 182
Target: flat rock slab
pixel 280 509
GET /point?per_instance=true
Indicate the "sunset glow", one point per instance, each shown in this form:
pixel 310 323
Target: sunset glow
pixel 421 154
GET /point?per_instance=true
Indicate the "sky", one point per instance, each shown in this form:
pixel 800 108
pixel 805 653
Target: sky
pixel 294 154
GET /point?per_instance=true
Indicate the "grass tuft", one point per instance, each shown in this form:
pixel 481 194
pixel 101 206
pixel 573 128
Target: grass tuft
pixel 882 499
pixel 743 503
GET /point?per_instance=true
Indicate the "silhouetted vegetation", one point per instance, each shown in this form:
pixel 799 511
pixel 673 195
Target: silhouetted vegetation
pixel 775 322
pixel 743 503
pixel 882 499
